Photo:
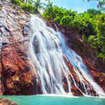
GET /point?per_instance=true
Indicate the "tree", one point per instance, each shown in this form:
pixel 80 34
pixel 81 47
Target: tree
pixel 93 11
pixel 37 6
pixel 101 4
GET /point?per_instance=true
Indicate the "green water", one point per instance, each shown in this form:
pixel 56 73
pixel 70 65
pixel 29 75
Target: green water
pixel 55 100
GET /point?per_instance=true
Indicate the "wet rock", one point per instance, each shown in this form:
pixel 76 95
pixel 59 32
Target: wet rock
pixel 27 29
pixel 79 88
pixel 4 101
pixel 95 66
pixel 97 75
pixel 16 73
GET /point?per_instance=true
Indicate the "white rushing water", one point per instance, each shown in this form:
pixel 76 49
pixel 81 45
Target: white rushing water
pixel 47 50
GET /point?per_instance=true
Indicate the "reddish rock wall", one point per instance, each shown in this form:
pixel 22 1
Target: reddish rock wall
pixel 17 76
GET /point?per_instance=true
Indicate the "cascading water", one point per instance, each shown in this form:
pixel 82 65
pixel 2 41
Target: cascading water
pixel 50 58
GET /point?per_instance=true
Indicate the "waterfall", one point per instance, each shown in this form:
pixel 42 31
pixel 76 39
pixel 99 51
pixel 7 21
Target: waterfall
pixel 58 68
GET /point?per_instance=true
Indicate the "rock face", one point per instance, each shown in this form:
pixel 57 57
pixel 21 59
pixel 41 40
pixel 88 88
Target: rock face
pixel 83 48
pixel 17 76
pixel 98 76
pixel 78 89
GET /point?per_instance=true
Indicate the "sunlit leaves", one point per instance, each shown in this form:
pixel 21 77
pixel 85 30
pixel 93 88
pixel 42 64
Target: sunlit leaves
pixel 91 24
pixel 28 5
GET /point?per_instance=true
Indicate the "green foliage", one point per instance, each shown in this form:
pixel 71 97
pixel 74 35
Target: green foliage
pixel 28 5
pixel 17 2
pixel 78 23
pixel 57 19
pixel 0 8
pixel 102 28
pixel 91 24
pixel 93 11
pixel 66 20
pixel 101 5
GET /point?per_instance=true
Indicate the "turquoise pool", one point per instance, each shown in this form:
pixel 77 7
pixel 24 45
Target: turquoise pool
pixel 55 100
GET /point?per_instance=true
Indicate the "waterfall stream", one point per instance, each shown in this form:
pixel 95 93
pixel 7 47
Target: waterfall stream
pixel 51 56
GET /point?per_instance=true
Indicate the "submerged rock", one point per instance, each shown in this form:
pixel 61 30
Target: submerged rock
pixel 4 101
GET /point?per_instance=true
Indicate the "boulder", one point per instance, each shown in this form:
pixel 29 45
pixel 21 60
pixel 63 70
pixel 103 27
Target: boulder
pixel 4 101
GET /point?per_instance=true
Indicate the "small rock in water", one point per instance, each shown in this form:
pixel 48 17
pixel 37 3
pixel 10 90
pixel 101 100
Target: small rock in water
pixel 4 101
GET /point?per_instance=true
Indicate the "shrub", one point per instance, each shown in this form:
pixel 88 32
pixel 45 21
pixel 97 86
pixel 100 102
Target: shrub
pixel 17 2
pixel 66 20
pixel 29 5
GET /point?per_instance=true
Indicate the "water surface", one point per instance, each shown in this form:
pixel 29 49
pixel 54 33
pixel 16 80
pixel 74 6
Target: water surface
pixel 55 100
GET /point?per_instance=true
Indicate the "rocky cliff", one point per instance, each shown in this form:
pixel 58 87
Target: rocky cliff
pixel 16 73
pixel 17 77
